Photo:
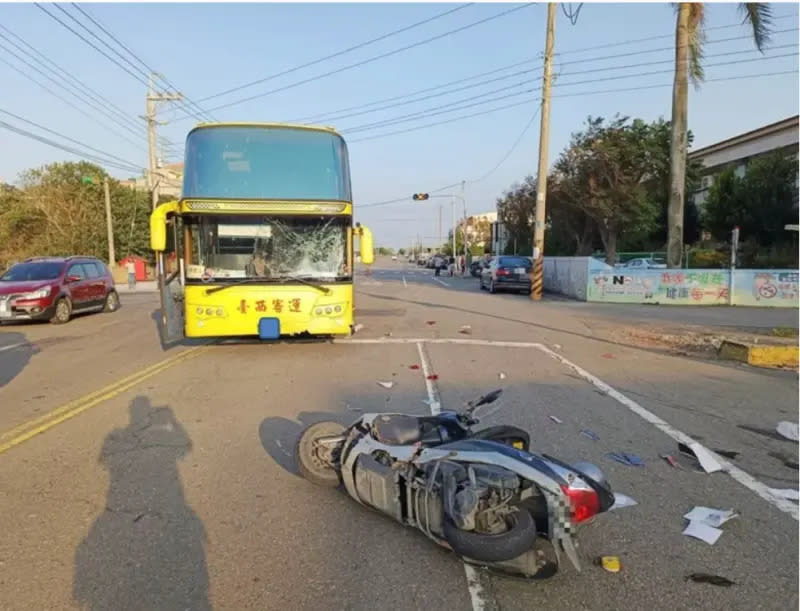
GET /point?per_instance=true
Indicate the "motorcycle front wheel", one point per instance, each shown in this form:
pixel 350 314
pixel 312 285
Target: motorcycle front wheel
pixel 312 461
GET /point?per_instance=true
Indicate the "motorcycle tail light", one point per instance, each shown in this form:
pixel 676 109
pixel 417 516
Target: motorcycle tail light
pixel 584 502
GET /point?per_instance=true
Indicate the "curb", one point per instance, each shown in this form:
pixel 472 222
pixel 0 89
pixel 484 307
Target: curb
pixel 760 355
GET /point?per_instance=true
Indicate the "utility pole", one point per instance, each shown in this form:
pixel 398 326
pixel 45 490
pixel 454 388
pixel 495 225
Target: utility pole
pixel 541 178
pixel 464 202
pixel 453 206
pixel 112 258
pixel 153 180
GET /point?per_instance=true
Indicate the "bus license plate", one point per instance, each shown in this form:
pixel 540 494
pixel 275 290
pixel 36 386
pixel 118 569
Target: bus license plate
pixel 269 328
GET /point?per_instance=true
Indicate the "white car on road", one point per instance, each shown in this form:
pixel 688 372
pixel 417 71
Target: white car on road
pixel 642 263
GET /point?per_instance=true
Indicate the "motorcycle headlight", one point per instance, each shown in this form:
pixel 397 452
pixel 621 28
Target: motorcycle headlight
pixel 37 294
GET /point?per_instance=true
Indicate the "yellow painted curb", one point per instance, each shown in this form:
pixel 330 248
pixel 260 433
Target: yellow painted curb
pixel 760 355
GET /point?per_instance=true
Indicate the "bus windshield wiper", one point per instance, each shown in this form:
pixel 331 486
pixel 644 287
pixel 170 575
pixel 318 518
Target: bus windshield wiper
pixel 281 280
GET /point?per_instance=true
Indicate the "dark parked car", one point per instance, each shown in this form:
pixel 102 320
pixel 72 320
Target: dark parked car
pixel 507 273
pixel 53 288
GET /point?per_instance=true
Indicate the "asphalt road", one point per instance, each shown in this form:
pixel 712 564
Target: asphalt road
pixel 165 480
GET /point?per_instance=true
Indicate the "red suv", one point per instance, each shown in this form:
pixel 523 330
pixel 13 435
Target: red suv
pixel 53 288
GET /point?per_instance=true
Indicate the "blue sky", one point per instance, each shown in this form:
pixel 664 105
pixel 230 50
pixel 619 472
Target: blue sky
pixel 208 48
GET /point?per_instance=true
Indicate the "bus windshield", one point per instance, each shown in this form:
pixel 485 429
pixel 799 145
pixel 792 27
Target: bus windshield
pixel 266 247
pixel 269 163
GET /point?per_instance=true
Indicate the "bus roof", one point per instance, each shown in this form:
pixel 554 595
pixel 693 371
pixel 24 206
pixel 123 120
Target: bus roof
pixel 318 128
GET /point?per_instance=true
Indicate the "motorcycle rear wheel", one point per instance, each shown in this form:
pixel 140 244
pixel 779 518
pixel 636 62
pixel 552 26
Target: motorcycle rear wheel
pixel 311 466
pixel 518 539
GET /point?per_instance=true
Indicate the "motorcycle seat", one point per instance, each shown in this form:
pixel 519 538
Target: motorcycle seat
pixel 397 429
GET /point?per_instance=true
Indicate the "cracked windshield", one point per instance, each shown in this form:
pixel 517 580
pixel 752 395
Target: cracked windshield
pixel 313 248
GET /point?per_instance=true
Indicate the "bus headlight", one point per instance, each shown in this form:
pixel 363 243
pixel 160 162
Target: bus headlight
pixel 329 309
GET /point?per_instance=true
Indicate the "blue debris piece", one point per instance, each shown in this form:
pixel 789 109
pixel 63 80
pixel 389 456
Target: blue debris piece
pixel 626 458
pixel 591 435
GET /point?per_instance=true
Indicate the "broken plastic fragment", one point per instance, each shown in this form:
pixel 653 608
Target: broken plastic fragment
pixel 626 458
pixel 433 376
pixel 609 563
pixel 672 462
pixel 590 434
pixel 710 516
pixel 556 420
pixel 386 384
pixel 358 328
pixel 430 322
pixel 413 366
pixel 702 531
pixel 622 500
pixel 501 375
pixel 608 355
pixel 705 458
pixel 789 430
pixel 466 330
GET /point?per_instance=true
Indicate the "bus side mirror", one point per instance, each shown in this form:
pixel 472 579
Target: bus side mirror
pixel 365 246
pixel 158 225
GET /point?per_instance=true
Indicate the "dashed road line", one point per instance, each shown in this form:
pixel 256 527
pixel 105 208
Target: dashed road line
pixel 442 282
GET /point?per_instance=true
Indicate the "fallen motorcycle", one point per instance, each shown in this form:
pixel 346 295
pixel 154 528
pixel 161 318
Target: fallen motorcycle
pixel 482 493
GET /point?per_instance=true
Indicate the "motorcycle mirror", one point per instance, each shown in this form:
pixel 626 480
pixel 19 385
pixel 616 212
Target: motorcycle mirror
pixel 486 399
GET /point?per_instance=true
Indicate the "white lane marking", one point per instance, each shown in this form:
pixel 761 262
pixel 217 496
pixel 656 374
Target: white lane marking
pixel 12 346
pixel 405 284
pixel 442 282
pixel 744 478
pixel 477 594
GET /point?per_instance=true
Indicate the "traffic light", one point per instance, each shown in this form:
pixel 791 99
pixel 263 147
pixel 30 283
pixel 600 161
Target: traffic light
pixel 418 197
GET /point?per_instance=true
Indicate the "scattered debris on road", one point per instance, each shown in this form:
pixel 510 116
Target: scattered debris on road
pixel 415 367
pixel 557 346
pixel 465 330
pixel 626 458
pixel 590 434
pixel 714 580
pixel 387 334
pixel 608 355
pixel 789 430
pixel 671 460
pixel 556 420
pixel 386 384
pixel 433 376
pixel 609 563
pixel 727 453
pixel 704 523
pixel 621 501
pixel 501 375
pixel 358 328
pixel 430 322
pixel 703 456
pixel 788 461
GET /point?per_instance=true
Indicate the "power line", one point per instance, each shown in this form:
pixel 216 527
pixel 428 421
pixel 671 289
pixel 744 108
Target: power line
pixel 55 133
pixel 67 102
pixel 336 115
pixel 470 101
pixel 64 74
pixel 516 104
pixel 370 59
pixel 88 42
pixel 139 59
pixel 338 53
pixel 68 149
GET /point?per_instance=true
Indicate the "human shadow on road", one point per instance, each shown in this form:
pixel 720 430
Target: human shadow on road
pixel 279 435
pixel 14 360
pixel 146 550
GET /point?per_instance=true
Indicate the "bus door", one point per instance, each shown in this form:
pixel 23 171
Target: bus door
pixel 165 239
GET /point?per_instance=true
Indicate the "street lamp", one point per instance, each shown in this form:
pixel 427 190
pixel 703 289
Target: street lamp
pixel 424 196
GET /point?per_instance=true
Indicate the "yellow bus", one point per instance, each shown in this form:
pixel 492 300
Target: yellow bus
pixel 261 242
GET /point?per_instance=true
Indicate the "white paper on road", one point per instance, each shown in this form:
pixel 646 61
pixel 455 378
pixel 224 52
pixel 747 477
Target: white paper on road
pixel 702 531
pixel 788 430
pixel 556 419
pixel 622 500
pixel 786 493
pixel 705 458
pixel 709 516
pixel 386 384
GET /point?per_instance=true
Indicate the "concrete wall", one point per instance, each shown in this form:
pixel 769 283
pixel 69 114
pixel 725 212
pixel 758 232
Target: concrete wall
pixel 567 276
pixel 589 279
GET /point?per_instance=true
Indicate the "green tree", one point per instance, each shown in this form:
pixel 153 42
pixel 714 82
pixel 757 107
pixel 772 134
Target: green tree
pixel 515 210
pixel 689 38
pixel 604 171
pixel 760 203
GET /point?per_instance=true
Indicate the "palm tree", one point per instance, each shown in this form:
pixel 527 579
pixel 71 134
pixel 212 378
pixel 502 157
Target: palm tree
pixel 689 37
